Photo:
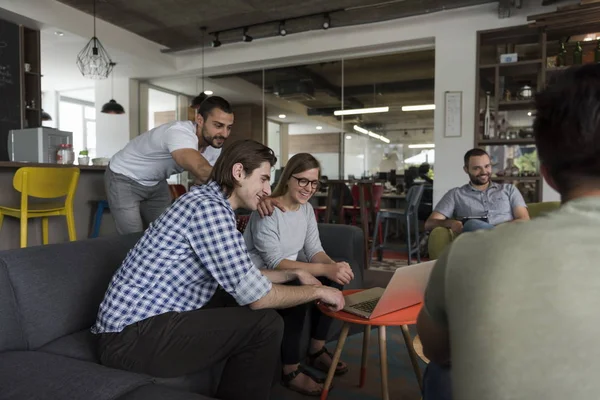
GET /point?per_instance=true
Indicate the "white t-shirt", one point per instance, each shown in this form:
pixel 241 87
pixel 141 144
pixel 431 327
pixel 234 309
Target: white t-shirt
pixel 147 158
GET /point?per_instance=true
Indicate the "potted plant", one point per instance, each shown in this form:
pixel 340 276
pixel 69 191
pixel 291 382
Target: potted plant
pixel 83 158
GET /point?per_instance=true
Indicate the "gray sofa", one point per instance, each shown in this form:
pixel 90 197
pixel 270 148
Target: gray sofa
pixel 49 297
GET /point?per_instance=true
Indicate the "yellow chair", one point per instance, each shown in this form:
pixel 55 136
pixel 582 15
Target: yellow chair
pixel 46 183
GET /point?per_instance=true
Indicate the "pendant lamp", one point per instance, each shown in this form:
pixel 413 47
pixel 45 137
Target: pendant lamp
pixel 112 107
pixel 93 61
pixel 201 96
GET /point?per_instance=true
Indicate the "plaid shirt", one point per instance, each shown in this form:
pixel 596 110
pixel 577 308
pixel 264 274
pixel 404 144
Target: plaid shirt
pixel 191 249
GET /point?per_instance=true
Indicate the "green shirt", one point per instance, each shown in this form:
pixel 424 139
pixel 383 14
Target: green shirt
pixel 522 305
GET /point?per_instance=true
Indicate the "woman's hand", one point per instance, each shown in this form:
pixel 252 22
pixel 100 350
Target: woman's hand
pixel 340 272
pixel 306 278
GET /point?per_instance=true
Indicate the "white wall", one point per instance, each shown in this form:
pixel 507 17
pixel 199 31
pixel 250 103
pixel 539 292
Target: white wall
pixel 114 131
pixel 50 105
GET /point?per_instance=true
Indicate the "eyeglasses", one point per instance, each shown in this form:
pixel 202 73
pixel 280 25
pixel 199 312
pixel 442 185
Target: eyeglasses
pixel 303 182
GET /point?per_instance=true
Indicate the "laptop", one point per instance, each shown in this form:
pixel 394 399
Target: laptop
pixel 406 288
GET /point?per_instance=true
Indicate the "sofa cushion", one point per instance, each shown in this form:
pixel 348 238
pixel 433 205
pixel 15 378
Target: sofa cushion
pixel 11 335
pixel 35 375
pixel 82 345
pixel 157 392
pixel 59 287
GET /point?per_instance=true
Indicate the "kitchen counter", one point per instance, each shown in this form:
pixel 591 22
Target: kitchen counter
pixel 90 188
pixel 19 164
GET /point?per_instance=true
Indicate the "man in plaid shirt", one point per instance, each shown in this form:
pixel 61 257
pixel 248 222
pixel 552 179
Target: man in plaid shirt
pixel 187 296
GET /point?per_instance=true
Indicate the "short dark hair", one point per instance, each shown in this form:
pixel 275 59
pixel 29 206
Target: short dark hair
pixel 567 128
pixel 474 153
pixel 249 153
pixel 211 103
pixel 298 163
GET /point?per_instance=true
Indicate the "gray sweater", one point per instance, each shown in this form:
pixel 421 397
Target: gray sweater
pixel 291 235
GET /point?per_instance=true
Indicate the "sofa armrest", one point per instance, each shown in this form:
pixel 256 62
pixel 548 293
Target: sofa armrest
pixel 439 239
pixel 345 242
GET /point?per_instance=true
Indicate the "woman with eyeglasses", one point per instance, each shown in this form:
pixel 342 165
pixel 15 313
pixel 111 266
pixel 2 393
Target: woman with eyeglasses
pixel 289 241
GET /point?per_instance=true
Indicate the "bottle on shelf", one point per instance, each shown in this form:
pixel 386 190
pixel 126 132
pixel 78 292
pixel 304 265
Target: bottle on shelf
pixel 487 123
pixel 561 58
pixel 578 54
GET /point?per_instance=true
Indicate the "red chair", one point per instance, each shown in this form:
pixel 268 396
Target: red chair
pixel 177 191
pixel 373 205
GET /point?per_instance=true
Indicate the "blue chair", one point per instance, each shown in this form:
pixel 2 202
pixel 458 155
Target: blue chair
pixel 101 205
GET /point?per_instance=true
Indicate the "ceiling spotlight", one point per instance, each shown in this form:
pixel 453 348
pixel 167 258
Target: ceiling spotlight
pixel 216 42
pixel 282 116
pixel 246 38
pixel 282 30
pixel 327 22
pixel 59 33
pixel 348 137
pixel 319 127
pixel 208 92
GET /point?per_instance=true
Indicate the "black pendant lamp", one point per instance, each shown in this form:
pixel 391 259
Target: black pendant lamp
pixel 93 61
pixel 46 116
pixel 112 107
pixel 201 96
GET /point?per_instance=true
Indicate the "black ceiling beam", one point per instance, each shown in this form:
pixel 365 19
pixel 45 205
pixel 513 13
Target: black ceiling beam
pixel 331 89
pixel 391 87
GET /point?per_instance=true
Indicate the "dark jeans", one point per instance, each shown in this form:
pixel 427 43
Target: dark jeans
pixel 436 383
pixel 175 344
pixel 293 321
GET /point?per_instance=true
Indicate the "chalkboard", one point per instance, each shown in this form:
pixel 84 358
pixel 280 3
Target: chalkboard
pixel 10 83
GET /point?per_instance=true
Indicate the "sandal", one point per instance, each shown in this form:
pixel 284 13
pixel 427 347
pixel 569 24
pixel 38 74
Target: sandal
pixel 321 366
pixel 287 379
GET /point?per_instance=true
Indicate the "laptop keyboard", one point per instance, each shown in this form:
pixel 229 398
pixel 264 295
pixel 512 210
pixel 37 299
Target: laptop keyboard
pixel 366 306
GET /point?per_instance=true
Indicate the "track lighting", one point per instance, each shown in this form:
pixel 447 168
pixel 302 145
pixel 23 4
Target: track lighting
pixel 216 42
pixel 282 30
pixel 327 22
pixel 246 38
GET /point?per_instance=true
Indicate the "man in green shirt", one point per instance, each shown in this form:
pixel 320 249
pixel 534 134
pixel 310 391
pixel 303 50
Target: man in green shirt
pixel 514 310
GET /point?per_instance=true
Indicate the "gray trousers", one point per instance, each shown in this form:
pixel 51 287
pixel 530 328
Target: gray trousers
pixel 132 205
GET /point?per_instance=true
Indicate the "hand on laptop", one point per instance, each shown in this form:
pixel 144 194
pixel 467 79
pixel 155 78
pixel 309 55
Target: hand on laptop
pixel 306 278
pixel 340 273
pixel 332 298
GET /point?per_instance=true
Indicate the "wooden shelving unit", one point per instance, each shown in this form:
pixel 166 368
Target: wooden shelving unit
pixel 537 45
pixel 31 87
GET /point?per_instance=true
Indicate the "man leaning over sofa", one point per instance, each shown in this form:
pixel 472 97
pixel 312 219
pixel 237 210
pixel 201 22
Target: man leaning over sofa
pixel 177 304
pixel 481 203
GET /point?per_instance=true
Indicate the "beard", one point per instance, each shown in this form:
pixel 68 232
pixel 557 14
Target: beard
pixel 480 179
pixel 212 140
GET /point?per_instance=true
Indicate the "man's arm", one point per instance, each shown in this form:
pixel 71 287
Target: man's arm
pixel 432 323
pixel 441 214
pixel 281 296
pixel 191 160
pixel 434 338
pixel 277 276
pixel 437 219
pixel 518 205
pixel 520 213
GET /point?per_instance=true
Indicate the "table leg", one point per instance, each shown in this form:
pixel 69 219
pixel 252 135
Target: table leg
pixel 365 355
pixel 336 359
pixel 384 366
pixel 413 355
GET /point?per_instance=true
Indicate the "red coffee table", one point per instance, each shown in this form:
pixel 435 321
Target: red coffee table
pixel 402 318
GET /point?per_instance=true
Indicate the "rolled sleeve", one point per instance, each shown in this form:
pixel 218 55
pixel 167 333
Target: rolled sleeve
pixel 447 205
pixel 251 287
pixel 221 249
